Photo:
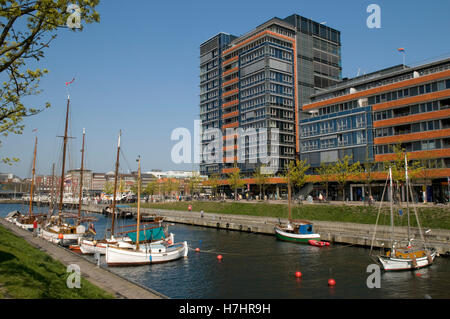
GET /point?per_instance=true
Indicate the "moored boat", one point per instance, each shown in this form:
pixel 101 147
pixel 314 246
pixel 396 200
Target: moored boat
pixel 299 232
pixel 406 254
pixel 148 252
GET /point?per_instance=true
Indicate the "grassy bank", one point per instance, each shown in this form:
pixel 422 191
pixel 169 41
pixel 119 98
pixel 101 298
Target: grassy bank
pixel 28 273
pixel 430 217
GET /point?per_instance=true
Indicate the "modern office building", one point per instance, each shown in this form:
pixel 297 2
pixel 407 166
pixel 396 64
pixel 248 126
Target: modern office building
pixel 252 89
pixel 366 117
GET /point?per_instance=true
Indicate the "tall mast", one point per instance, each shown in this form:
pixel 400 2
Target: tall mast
pixel 115 185
pixel 392 208
pixel 407 196
pixel 53 188
pixel 61 189
pixel 289 193
pixel 138 203
pixel 81 180
pixel 32 179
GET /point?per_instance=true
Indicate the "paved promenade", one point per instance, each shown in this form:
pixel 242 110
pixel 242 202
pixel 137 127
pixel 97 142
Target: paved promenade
pixel 119 287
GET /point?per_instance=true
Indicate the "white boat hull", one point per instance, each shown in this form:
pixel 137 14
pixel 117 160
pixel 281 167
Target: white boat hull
pixel 390 264
pixel 25 226
pixel 145 255
pixel 66 240
pixel 92 247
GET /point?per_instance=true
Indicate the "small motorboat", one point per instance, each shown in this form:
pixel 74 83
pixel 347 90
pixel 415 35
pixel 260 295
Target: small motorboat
pixel 317 243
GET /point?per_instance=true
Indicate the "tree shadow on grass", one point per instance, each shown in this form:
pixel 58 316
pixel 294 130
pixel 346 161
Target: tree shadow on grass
pixel 4 256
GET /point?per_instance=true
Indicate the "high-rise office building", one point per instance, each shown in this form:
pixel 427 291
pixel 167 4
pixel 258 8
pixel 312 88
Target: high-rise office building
pixel 252 89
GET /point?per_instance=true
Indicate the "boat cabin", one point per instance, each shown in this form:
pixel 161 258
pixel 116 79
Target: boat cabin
pixel 305 229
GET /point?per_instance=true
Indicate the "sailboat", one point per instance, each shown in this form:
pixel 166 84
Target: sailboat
pixel 27 221
pixel 57 230
pixel 407 254
pixel 299 231
pixel 90 245
pixel 148 253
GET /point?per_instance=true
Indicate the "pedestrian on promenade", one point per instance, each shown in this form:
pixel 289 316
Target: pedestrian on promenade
pixel 320 197
pixel 201 213
pixel 35 228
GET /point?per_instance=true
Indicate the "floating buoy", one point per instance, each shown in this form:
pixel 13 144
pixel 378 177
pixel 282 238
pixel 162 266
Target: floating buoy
pixel 327 243
pixel 331 282
pixel 298 274
pixel 418 274
pixel 197 249
pixel 60 236
pixel 219 257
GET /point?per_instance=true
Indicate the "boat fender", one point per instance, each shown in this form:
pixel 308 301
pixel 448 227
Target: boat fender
pixel 94 242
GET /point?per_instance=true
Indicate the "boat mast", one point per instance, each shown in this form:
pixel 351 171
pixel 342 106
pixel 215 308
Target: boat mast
pixel 53 188
pixel 113 209
pixel 61 189
pixel 289 193
pixel 32 179
pixel 392 208
pixel 80 202
pixel 138 203
pixel 407 196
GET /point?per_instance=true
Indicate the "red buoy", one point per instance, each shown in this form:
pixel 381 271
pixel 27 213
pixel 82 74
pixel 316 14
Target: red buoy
pixel 197 249
pixel 60 236
pixel 418 274
pixel 219 257
pixel 327 243
pixel 298 274
pixel 331 282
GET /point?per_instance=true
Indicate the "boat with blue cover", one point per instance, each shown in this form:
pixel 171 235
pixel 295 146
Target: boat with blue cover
pixel 296 231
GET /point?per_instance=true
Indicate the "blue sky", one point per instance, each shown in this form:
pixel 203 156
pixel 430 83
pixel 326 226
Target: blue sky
pixel 137 70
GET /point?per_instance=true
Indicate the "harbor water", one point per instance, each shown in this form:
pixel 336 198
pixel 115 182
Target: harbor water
pixel 260 267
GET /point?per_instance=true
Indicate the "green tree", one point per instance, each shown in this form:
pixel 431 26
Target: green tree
pixel 325 173
pixel 343 170
pixel 27 28
pixel 297 171
pixel 235 180
pixel 261 179
pixel 151 188
pixel 214 183
pixel 108 188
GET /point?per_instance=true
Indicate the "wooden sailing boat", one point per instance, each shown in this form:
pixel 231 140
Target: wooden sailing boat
pixel 148 253
pixel 57 230
pixel 27 221
pixel 404 255
pixel 299 231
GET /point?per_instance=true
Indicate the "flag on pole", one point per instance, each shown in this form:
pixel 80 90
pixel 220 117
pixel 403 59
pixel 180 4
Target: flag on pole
pixel 68 83
pixel 401 50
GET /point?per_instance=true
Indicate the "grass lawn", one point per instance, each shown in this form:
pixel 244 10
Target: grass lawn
pixel 430 217
pixel 28 273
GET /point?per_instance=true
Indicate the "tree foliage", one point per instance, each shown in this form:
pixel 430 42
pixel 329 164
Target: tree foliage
pixel 27 29
pixel 343 170
pixel 235 180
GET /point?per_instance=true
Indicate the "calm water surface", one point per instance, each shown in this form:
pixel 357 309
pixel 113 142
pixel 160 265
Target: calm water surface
pixel 259 266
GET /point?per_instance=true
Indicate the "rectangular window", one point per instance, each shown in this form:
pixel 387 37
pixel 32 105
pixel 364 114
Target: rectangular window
pixel 421 89
pixel 415 109
pixel 400 94
pixel 447 83
pixel 413 91
pixel 406 92
pixel 428 88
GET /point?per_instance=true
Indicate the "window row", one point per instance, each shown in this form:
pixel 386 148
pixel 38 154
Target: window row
pixel 410 128
pixel 409 92
pixel 415 146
